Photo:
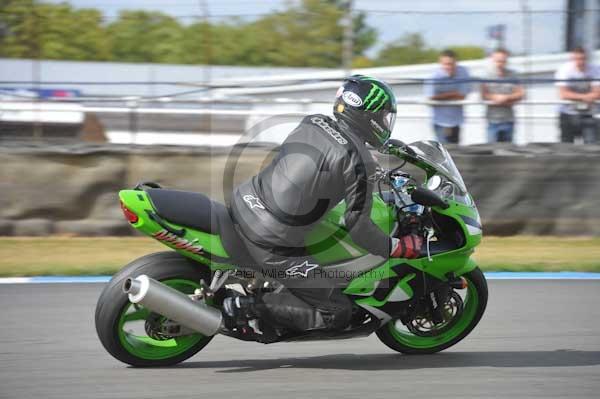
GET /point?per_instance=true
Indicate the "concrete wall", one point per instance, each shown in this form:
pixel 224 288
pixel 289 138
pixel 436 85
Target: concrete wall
pixel 550 189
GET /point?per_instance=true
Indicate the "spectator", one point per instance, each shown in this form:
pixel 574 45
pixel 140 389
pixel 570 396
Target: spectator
pixel 501 95
pixel 577 119
pixel 449 83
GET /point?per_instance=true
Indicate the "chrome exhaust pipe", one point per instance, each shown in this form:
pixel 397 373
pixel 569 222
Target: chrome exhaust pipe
pixel 166 301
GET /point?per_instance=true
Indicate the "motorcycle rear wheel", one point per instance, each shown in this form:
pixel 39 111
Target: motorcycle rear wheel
pixel 116 316
pixel 403 340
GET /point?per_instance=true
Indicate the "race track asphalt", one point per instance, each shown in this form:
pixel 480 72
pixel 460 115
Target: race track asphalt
pixel 537 339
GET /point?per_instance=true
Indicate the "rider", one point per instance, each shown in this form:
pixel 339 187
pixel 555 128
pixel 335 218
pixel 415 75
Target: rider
pixel 322 162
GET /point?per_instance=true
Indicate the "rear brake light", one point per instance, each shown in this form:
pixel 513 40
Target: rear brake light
pixel 129 215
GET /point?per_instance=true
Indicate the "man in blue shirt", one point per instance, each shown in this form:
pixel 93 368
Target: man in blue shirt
pixel 448 83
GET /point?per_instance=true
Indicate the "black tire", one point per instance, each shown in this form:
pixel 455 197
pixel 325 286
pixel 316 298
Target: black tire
pixel 112 302
pixel 477 279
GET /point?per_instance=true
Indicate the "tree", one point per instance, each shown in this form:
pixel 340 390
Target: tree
pixel 307 34
pixel 362 62
pixel 52 31
pixel 141 36
pixel 67 33
pixel 468 52
pixel 20 36
pixel 364 35
pixel 409 49
pixel 412 49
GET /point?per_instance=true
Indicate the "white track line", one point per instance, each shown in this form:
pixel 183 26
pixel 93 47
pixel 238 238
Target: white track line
pixel 489 276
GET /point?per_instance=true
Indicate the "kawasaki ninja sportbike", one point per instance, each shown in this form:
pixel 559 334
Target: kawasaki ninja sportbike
pixel 163 308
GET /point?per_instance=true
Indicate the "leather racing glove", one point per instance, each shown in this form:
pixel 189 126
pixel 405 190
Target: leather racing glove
pixel 408 246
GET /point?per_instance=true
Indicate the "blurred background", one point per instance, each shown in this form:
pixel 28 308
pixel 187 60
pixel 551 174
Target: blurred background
pixel 96 95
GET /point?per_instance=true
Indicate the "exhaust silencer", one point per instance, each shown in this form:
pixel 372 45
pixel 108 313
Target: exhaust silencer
pixel 175 305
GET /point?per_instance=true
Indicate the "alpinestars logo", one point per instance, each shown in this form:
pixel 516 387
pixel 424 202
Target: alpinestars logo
pixel 376 98
pixel 301 269
pixel 253 202
pixel 337 136
pixel 178 242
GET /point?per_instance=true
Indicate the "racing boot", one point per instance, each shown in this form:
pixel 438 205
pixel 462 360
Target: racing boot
pixel 240 307
pixel 243 314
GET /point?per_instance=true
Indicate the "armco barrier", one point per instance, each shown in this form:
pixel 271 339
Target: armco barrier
pixel 537 189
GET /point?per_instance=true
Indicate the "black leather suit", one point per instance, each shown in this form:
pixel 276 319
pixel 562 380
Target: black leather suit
pixel 318 165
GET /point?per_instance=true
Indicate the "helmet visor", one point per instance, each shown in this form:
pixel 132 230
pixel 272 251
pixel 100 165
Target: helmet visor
pixel 389 119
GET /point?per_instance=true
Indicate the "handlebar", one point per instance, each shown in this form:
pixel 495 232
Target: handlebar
pixel 419 195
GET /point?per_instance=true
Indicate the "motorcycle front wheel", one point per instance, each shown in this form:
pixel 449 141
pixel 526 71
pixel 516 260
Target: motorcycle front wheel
pixel 421 336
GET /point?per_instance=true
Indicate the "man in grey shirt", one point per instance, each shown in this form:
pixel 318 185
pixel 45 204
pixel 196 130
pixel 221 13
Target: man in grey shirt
pixel 579 82
pixel 448 83
pixel 501 93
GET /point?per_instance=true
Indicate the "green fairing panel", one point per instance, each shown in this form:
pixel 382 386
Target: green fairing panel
pixel 403 284
pixel 138 202
pixel 330 243
pixel 367 282
pixel 457 261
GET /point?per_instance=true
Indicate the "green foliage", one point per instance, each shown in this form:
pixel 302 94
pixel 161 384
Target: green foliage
pixel 141 36
pixel 308 33
pixel 362 62
pixel 54 31
pixel 468 52
pixel 411 49
pixel 18 29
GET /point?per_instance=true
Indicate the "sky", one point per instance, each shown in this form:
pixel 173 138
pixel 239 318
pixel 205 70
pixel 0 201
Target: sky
pixel 440 22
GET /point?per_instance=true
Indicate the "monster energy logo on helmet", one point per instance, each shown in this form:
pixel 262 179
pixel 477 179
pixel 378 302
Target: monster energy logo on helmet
pixel 376 98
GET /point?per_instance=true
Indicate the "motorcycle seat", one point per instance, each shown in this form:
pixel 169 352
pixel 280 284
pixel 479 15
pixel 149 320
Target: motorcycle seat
pixel 185 208
pixel 199 212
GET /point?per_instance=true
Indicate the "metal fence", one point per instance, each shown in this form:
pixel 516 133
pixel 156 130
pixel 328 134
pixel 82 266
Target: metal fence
pixel 132 121
pixel 210 103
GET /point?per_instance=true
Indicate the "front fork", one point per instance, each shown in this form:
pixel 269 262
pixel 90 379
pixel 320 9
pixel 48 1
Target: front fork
pixel 434 298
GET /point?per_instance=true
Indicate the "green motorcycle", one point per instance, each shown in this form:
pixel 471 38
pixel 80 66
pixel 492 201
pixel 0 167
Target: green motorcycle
pixel 165 307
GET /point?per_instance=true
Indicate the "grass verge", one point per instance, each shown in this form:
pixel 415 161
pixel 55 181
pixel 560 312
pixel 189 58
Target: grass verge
pixel 105 255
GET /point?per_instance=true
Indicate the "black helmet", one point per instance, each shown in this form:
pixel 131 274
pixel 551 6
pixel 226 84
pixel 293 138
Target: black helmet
pixel 368 106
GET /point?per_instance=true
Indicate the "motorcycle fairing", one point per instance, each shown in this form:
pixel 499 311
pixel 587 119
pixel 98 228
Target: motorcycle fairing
pixel 380 283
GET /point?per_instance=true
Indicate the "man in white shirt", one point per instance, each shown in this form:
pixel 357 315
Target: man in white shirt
pixel 579 82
